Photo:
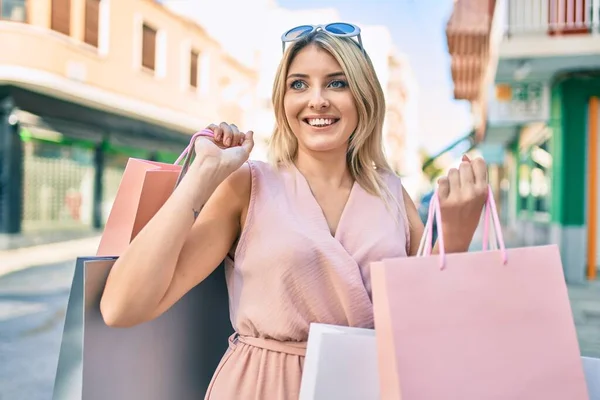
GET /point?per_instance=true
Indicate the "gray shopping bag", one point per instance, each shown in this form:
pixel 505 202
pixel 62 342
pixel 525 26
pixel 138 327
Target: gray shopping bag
pixel 171 357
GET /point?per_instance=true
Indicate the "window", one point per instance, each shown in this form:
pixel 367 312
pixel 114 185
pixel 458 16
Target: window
pixel 60 20
pixel 13 10
pixel 148 47
pixel 194 69
pixel 92 22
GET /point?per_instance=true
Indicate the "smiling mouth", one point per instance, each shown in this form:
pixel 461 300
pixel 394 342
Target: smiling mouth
pixel 321 122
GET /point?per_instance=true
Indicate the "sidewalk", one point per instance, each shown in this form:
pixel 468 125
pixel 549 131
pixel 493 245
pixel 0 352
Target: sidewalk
pixel 23 240
pixel 585 304
pixel 22 251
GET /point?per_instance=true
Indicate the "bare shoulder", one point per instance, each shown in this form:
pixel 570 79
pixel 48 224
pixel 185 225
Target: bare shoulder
pixel 237 187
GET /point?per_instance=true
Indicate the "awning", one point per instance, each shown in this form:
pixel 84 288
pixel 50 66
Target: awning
pixel 52 119
pixel 55 130
pixel 468 141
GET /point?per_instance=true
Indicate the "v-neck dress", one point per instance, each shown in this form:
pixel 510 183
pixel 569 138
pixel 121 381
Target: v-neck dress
pixel 289 271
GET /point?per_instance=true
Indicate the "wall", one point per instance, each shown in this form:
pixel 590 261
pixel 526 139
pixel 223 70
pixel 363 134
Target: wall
pixel 52 58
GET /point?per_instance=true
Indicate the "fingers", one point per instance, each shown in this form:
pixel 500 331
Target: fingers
pixel 466 174
pixel 227 139
pixel 238 137
pixel 216 131
pixel 443 188
pixel 454 181
pixel 227 135
pixel 480 172
pixel 248 142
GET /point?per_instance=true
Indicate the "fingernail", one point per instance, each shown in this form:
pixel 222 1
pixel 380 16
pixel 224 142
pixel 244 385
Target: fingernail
pixel 228 141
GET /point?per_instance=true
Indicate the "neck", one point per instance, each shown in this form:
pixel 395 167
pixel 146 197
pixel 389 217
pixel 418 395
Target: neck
pixel 328 168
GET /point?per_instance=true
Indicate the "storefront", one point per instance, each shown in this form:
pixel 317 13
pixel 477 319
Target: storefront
pixel 61 163
pixel 532 165
pixel 555 179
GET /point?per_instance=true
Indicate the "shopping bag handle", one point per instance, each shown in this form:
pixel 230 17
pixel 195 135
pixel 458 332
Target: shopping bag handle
pixel 491 213
pixel 188 152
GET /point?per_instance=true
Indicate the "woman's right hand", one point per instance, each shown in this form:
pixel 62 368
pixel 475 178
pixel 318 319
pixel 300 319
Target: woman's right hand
pixel 229 148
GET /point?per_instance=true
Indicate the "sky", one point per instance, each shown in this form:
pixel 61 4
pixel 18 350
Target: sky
pixel 418 30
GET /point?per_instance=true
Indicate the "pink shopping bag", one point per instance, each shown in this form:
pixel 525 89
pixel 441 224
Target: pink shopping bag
pixel 144 188
pixel 483 325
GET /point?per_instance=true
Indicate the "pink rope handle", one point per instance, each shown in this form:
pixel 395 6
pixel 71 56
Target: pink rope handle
pixel 490 209
pixel 204 132
pixel 435 212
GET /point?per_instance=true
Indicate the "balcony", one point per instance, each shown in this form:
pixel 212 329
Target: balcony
pixel 552 17
pixel 544 37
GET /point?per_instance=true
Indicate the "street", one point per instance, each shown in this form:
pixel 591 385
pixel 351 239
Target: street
pixel 32 310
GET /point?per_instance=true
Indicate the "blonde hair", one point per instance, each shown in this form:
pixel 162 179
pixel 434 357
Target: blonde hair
pixel 365 157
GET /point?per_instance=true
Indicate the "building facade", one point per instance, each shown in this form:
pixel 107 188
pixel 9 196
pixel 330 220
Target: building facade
pixel 86 84
pixel 543 119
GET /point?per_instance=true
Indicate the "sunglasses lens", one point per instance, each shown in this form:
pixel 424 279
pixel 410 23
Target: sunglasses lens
pixel 340 28
pixel 298 32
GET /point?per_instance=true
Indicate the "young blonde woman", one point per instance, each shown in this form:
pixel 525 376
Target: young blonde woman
pixel 299 232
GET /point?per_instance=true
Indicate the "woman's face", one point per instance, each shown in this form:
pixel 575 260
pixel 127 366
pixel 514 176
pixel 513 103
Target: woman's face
pixel 318 104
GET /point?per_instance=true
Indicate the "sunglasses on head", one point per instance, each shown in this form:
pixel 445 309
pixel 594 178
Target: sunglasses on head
pixel 341 29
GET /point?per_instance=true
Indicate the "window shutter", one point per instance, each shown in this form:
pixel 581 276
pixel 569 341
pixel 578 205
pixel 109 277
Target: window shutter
pixel 194 69
pixel 60 20
pixel 148 47
pixel 92 22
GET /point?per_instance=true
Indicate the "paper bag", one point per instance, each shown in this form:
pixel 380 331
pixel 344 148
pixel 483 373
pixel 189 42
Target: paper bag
pixel 171 357
pixel 144 189
pixel 340 363
pixel 491 325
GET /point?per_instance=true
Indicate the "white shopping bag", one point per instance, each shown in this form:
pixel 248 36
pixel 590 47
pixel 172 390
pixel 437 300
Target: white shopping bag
pixel 340 363
pixel 591 368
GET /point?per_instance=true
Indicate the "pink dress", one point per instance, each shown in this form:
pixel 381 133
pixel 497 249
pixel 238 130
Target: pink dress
pixel 290 271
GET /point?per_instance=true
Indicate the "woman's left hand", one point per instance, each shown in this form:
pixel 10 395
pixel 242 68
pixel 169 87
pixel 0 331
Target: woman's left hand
pixel 462 195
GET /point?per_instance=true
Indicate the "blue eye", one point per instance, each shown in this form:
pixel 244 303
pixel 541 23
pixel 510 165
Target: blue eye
pixel 298 85
pixel 338 84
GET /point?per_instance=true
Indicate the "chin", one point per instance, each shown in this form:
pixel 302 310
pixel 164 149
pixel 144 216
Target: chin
pixel 324 144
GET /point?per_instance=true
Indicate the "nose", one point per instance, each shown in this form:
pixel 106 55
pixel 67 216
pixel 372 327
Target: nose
pixel 318 101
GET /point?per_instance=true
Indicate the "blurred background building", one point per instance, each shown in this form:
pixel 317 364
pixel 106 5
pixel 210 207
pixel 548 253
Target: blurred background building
pixel 87 84
pixel 531 70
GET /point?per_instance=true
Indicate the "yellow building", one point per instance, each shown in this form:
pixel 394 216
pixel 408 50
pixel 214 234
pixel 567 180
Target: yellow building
pixel 86 84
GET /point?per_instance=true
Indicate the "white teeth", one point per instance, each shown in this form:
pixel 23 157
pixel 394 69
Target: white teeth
pixel 320 121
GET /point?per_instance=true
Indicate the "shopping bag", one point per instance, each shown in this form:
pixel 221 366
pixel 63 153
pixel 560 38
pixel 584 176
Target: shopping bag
pixel 340 363
pixel 591 367
pixel 483 325
pixel 171 357
pixel 144 188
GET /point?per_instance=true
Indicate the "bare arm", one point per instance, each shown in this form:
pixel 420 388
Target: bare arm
pixel 174 253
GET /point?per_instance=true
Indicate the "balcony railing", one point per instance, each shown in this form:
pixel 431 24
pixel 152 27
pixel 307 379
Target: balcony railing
pixel 552 17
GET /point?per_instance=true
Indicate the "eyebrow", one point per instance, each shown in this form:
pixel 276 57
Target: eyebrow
pixel 305 76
